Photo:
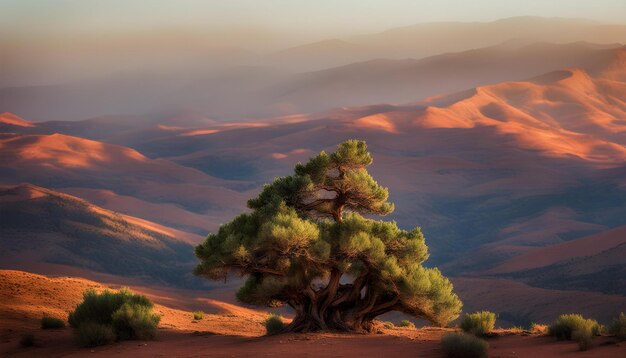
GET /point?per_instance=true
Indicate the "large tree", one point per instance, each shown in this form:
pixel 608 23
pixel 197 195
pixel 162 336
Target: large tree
pixel 306 244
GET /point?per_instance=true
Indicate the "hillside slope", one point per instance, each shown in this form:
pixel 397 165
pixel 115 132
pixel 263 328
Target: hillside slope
pixel 41 226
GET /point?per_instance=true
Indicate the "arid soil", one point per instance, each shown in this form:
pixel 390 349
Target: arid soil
pixel 228 330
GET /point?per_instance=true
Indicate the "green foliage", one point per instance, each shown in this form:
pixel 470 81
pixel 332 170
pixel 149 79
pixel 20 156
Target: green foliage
pixel 307 225
pixel 274 324
pixel 388 325
pixel 90 334
pixel 406 323
pixel 48 322
pixel 99 307
pixel 566 324
pixel 108 316
pixel 460 345
pixel 618 327
pixel 27 340
pixel 479 323
pixel 134 321
pixel 198 315
pixel 583 336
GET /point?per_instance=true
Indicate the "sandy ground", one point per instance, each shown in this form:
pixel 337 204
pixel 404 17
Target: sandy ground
pixel 230 331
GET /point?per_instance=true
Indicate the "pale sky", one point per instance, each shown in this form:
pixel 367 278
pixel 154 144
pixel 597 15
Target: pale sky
pixel 318 18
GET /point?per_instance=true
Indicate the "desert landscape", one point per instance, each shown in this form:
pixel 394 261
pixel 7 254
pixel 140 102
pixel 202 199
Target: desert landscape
pixel 454 187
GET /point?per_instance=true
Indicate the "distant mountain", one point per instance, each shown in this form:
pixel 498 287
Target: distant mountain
pixel 250 92
pixel 426 39
pixel 409 80
pixel 41 226
pixel 321 54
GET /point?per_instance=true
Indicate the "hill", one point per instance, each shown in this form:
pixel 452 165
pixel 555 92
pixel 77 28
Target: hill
pixel 60 161
pixel 41 226
pixel 592 263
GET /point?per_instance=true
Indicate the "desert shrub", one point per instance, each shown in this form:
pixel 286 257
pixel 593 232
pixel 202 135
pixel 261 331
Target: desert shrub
pixel 566 324
pixel 406 323
pixel 90 334
pixel 197 315
pixel 27 340
pixel 388 325
pixel 537 328
pixel 583 335
pixel 133 321
pixel 99 307
pixel 461 345
pixel 108 316
pixel 48 322
pixel 479 323
pixel 274 324
pixel 618 327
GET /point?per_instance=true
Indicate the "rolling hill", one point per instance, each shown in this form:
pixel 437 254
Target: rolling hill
pixel 60 161
pixel 41 226
pixel 591 263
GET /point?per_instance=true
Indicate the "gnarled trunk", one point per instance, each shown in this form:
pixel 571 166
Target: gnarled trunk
pixel 340 307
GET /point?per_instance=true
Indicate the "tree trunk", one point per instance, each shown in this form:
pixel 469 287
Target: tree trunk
pixel 341 312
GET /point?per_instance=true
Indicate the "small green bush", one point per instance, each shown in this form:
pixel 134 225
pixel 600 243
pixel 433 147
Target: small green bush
pixel 479 323
pixel 197 315
pixel 48 322
pixel 274 324
pixel 618 327
pixel 461 345
pixel 91 334
pixel 99 307
pixel 132 321
pixel 566 324
pixel 583 336
pixel 27 340
pixel 108 316
pixel 406 323
pixel 388 325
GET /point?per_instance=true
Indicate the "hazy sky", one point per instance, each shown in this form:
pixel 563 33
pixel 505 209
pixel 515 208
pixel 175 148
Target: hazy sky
pixel 47 41
pixel 319 17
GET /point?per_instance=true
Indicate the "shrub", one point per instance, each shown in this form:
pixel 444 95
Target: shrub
pixel 91 334
pixel 109 316
pixel 274 324
pixel 537 328
pixel 479 323
pixel 461 345
pixel 48 322
pixel 406 323
pixel 618 327
pixel 197 315
pixel 583 335
pixel 99 308
pixel 27 340
pixel 133 321
pixel 566 324
pixel 388 325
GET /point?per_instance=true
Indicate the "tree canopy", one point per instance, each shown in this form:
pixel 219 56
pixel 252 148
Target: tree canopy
pixel 306 243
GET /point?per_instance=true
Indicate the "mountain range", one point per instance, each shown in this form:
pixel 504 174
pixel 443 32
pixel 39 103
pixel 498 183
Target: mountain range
pixel 516 173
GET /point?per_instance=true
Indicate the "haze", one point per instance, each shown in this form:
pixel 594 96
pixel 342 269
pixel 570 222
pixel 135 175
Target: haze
pixel 51 42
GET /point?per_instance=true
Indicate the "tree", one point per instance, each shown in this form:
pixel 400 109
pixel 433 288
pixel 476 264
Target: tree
pixel 306 244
